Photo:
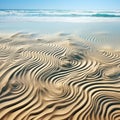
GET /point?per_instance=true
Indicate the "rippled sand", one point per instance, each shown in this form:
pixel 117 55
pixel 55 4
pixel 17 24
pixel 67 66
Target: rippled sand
pixel 58 77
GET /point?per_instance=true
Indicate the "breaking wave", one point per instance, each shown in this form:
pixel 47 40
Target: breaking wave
pixel 59 13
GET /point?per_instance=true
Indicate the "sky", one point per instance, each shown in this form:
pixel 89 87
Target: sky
pixel 61 4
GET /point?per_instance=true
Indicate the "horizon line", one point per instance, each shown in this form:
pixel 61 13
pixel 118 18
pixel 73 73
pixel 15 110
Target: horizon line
pixel 52 9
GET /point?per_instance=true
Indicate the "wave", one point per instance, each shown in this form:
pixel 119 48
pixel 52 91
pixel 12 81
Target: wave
pixel 59 13
pixel 58 77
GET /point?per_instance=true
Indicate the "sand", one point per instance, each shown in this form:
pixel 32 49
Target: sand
pixel 58 77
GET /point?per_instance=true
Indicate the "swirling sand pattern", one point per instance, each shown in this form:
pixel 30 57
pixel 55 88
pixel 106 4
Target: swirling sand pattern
pixel 59 77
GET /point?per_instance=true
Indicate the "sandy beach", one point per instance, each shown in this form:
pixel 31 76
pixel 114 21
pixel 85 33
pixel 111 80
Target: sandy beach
pixel 59 62
pixel 59 77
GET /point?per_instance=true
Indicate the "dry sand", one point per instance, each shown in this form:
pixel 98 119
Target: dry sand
pixel 58 77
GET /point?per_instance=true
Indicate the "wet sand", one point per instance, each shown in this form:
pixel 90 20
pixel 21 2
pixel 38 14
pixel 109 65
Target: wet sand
pixel 58 77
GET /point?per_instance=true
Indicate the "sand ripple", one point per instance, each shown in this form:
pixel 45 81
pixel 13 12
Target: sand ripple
pixel 59 77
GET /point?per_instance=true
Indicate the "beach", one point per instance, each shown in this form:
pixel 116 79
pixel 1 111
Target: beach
pixel 58 68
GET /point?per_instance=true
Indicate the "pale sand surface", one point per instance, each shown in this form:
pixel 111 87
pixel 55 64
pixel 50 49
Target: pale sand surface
pixel 59 77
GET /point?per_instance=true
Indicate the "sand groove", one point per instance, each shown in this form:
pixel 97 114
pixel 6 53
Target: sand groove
pixel 54 78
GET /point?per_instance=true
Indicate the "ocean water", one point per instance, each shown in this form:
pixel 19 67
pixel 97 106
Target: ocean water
pixel 47 21
pixel 58 15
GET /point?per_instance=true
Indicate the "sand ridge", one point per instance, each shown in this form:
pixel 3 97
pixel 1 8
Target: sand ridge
pixel 58 77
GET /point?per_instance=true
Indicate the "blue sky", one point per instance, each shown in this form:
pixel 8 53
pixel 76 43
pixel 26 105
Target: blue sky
pixel 61 4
